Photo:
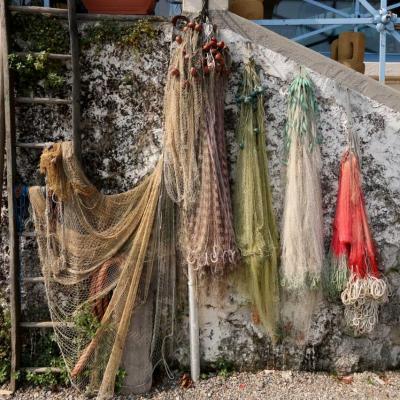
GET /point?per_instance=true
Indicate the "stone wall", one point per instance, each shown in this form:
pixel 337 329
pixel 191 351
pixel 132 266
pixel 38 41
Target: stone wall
pixel 122 126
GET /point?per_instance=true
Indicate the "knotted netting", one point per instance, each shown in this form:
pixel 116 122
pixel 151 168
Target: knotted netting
pixel 255 226
pixel 195 158
pixel 302 232
pixel 98 254
pixel 353 269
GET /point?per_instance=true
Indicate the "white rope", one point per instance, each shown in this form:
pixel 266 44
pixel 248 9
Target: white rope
pixel 362 297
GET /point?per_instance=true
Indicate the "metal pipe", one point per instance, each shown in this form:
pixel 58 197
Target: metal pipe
pixel 368 7
pixel 315 21
pixel 393 6
pixel 356 12
pixel 313 33
pixel 396 35
pixel 327 8
pixel 194 327
pixel 382 47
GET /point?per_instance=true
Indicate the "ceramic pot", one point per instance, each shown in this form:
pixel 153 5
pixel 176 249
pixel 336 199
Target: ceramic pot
pixel 249 9
pixel 133 7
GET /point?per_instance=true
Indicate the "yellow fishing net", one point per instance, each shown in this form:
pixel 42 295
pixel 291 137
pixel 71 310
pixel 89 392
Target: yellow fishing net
pixel 255 226
pixel 97 253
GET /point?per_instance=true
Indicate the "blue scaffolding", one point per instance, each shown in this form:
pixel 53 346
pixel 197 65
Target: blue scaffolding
pixel 383 20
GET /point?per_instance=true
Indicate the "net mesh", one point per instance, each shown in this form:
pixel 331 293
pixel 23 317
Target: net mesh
pixel 302 232
pixel 195 158
pixel 353 269
pixel 255 226
pixel 98 254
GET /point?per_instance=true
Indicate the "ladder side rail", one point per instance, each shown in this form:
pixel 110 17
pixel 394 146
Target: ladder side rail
pixel 76 80
pixel 2 134
pixel 9 112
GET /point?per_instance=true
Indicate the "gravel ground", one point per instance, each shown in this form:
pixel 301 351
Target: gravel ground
pixel 268 384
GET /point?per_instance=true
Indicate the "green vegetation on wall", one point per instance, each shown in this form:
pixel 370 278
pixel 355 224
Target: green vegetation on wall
pixel 5 343
pixel 138 36
pixel 39 33
pixel 43 35
pixel 32 70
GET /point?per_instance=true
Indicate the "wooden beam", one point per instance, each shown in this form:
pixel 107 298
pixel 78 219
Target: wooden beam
pixel 41 100
pixel 9 116
pixel 36 279
pixel 42 370
pixel 76 78
pixel 44 324
pixel 63 13
pixel 116 17
pixel 2 134
pixel 52 56
pixel 38 146
pixel 39 10
pixel 28 234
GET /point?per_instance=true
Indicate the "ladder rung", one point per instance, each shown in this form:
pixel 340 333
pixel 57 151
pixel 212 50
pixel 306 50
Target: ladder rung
pixel 42 370
pixel 53 56
pixel 36 279
pixel 34 145
pixel 39 10
pixel 41 100
pixel 28 234
pixel 44 324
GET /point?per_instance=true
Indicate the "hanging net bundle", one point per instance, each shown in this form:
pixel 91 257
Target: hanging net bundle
pixel 195 158
pixel 354 269
pixel 98 254
pixel 302 232
pixel 255 227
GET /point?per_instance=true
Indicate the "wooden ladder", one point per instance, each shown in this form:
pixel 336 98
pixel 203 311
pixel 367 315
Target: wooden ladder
pixel 10 145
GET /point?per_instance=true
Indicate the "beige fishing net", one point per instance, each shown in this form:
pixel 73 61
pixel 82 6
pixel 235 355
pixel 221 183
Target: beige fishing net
pixel 98 254
pixel 195 157
pixel 101 255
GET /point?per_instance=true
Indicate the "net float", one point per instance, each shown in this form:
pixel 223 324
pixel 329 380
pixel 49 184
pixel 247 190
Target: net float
pixel 175 72
pixel 178 39
pixel 193 71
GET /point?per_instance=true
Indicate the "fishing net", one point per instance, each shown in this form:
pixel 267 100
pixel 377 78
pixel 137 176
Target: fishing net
pixel 195 158
pixel 255 226
pixel 302 233
pixel 353 269
pixel 98 254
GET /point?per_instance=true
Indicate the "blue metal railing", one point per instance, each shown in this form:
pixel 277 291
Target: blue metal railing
pixel 383 20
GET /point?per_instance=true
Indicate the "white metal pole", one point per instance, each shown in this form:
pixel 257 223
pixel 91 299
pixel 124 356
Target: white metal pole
pixel 357 13
pixel 382 45
pixel 382 56
pixel 194 326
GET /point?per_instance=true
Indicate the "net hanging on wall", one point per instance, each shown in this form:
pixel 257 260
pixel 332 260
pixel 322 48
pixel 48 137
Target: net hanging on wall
pixel 302 232
pixel 98 255
pixel 353 269
pixel 255 225
pixel 195 160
